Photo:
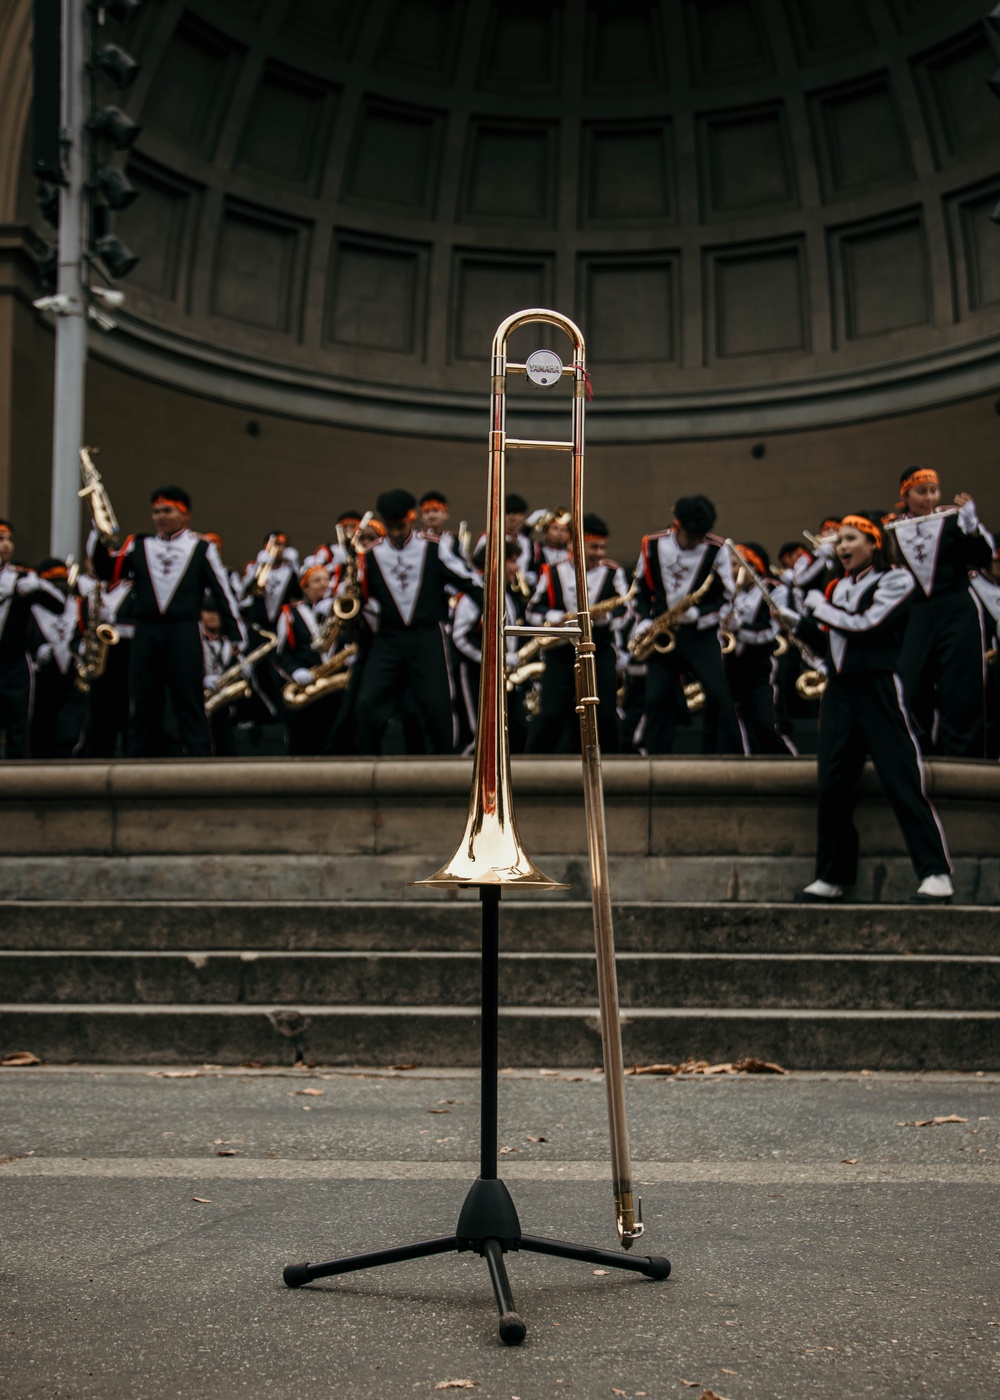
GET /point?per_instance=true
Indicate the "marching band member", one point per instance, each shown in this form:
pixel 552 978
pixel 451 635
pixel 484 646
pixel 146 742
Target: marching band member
pixel 556 729
pixel 673 564
pixel 467 636
pixel 333 556
pixel 108 710
pixel 60 708
pixel 552 532
pixel 408 577
pixel 19 589
pixel 434 516
pixel 863 713
pixel 261 608
pixel 171 569
pixel 217 653
pixel 751 669
pixel 986 586
pixel 515 532
pixel 943 645
pixel 300 649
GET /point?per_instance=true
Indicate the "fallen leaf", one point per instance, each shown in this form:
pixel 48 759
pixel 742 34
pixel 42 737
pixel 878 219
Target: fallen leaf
pixel 752 1066
pixel 439 1110
pixel 536 1139
pixel 935 1122
pixel 202 1200
pixel 309 1093
pixel 451 1101
pixel 253 1064
pixel 711 1395
pixel 548 1072
pixel 616 1391
pixel 849 1161
pixel 691 1066
pixel 506 1151
pixel 599 1273
pixel 403 1066
pixel 20 1057
pixel 456 1385
pixel 5 1160
pixel 178 1073
pixel 726 1372
pixel 691 1385
pixel 228 1152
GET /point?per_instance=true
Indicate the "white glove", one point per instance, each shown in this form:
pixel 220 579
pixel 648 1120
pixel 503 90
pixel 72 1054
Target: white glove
pixel 263 557
pixel 212 682
pixel 246 670
pixel 554 617
pixel 789 618
pixel 301 676
pixel 27 584
pixel 968 520
pixel 691 615
pixel 43 654
pixel 642 628
pixel 290 556
pixel 813 599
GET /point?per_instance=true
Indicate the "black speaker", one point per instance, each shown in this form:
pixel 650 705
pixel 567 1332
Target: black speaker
pixel 46 159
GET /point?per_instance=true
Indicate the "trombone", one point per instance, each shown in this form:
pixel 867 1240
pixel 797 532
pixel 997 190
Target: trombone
pixel 490 853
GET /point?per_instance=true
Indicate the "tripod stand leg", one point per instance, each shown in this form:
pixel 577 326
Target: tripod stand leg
pixel 512 1329
pixel 652 1265
pixel 295 1275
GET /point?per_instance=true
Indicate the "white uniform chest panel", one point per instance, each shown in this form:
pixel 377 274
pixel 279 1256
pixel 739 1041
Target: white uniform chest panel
pixel 988 592
pixel 274 589
pixel 403 571
pixel 167 561
pixel 919 541
pixel 852 595
pixel 678 567
pixel 59 630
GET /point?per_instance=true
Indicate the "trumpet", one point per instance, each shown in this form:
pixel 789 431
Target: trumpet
pixel 666 624
pixel 234 684
pixel 810 683
pixel 95 494
pixel 490 855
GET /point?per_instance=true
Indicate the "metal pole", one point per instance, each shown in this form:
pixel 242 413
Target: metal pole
pixel 71 319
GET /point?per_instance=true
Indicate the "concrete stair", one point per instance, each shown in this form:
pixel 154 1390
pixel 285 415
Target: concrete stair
pixel 185 917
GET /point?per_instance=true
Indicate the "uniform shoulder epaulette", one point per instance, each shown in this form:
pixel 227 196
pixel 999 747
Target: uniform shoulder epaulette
pixel 659 534
pixel 611 563
pixel 714 539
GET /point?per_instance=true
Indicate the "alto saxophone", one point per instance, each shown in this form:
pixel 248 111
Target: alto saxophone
pixel 98 638
pixel 96 495
pixel 665 625
pixel 233 683
pixel 526 667
pixel 258 579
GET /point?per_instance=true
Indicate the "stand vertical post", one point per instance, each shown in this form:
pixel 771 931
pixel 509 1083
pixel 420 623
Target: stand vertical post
pixel 489 1051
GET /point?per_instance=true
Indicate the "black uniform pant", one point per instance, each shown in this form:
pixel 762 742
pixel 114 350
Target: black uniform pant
pixel 310 727
pixel 751 685
pixel 942 651
pixel 109 704
pixel 862 714
pixel 700 653
pixel 16 690
pixel 557 727
pixel 59 713
pixel 415 661
pixel 167 658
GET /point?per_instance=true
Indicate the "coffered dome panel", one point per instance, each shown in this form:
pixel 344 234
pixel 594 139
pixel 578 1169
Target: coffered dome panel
pixel 759 210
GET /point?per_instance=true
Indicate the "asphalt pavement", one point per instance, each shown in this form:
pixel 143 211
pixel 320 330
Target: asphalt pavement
pixel 828 1237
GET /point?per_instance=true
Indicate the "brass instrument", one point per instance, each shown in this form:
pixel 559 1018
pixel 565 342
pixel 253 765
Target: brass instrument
pixel 234 684
pixel 522 585
pixel 817 541
pixel 490 855
pixel 810 683
pixel 328 677
pixel 347 603
pixel 665 625
pixel 694 697
pixel 464 538
pixel 527 666
pixel 98 638
pixel 97 498
pixel 257 585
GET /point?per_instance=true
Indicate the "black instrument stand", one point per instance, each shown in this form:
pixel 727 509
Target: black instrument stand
pixel 488 1222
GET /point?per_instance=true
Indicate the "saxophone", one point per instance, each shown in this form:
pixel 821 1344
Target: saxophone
pixel 96 495
pixel 642 648
pixel 98 638
pixel 258 579
pixel 234 684
pixel 526 667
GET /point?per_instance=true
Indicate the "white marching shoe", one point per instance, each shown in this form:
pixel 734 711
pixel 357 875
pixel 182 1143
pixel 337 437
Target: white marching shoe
pixel 934 889
pixel 822 891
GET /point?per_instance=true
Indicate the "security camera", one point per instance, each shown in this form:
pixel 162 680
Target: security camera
pixel 105 322
pixel 60 305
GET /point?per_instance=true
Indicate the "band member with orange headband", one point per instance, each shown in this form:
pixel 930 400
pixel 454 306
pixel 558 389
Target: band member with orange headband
pixel 19 589
pixel 171 570
pixel 405 581
pixel 751 669
pixel 941 663
pixel 299 637
pixel 434 517
pixel 671 565
pixel 60 709
pixel 863 714
pixel 557 729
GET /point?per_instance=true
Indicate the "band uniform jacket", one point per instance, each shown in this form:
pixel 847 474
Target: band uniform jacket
pixel 666 573
pixel 556 594
pixel 20 591
pixel 410 586
pixel 939 550
pixel 170 578
pixel 60 631
pixel 298 638
pixel 866 617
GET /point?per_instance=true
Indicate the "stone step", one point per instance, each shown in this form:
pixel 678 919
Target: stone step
pixel 748 877
pixel 753 981
pixel 448 1037
pixel 542 924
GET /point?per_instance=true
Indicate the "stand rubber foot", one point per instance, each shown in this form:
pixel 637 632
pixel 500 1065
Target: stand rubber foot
pixel 295 1275
pixel 658 1267
pixel 512 1329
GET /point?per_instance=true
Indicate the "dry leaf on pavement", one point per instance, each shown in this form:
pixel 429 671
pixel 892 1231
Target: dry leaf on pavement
pixel 176 1074
pixel 20 1057
pixel 529 1138
pixel 228 1152
pixel 935 1122
pixel 439 1110
pixel 456 1385
pixel 307 1093
pixel 413 1066
pixel 849 1161
pixel 202 1200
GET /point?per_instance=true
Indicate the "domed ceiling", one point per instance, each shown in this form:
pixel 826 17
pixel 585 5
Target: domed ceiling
pixel 761 212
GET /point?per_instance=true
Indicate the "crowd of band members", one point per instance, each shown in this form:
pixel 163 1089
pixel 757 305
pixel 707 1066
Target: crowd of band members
pixel 183 620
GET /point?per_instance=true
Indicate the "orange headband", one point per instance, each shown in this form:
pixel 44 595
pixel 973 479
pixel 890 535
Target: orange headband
pixel 177 505
pixel 57 571
pixel 859 522
pixel 313 569
pixel 6 534
pixel 753 557
pixel 376 525
pixel 433 504
pixel 602 538
pixel 918 477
